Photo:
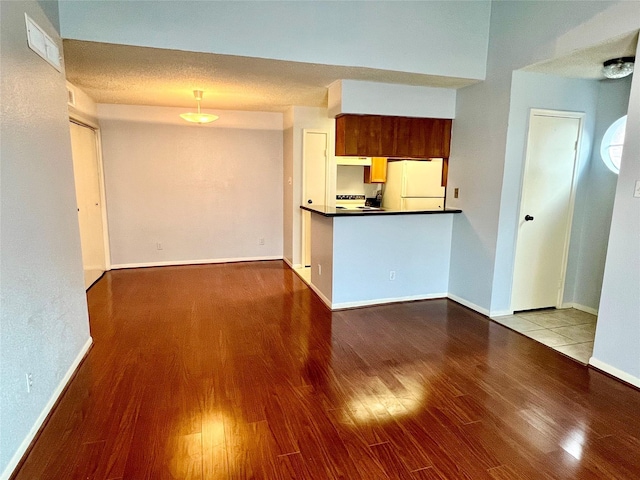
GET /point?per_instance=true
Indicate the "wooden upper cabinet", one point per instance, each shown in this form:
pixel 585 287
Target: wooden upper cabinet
pixel 387 135
pixel 384 136
pixel 347 133
pixel 377 172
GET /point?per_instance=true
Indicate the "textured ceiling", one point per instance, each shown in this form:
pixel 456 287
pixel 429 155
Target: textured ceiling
pixel 122 74
pixel 131 75
pixel 587 63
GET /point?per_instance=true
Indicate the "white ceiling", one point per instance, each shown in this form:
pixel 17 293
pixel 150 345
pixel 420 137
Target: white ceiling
pixel 122 74
pixel 587 63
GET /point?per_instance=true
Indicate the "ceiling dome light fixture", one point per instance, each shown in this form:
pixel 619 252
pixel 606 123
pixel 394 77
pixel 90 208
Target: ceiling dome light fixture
pixel 198 117
pixel 618 67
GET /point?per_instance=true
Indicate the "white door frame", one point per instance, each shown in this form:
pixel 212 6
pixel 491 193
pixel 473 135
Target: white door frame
pixel 572 197
pixel 101 184
pixel 303 235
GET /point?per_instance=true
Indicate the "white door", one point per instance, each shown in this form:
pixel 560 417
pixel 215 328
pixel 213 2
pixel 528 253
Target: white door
pixel 89 200
pixel 314 166
pixel 546 209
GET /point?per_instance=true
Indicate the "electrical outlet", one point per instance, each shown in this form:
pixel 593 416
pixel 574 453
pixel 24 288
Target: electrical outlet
pixel 261 241
pixel 319 269
pixel 392 274
pixel 636 192
pixel 158 246
pixel 456 191
pixel 29 381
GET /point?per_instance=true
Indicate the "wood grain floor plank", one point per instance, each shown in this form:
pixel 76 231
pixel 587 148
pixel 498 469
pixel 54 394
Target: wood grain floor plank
pixel 239 371
pixel 388 457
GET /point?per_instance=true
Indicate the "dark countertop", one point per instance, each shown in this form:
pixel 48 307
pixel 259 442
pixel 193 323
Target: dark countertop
pixel 339 212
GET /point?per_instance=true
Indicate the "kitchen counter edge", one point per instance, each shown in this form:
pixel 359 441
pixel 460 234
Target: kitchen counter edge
pixel 338 212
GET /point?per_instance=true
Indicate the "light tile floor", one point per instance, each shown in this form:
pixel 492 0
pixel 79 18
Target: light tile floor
pixel 304 273
pixel 568 331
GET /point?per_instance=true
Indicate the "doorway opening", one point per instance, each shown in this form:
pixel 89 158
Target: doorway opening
pixel 88 176
pixel 315 149
pixel 544 229
pixel 546 209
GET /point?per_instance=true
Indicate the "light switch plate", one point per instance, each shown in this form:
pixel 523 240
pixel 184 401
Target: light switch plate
pixel 636 192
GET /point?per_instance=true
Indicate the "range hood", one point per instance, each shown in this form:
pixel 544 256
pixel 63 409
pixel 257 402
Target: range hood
pixel 362 161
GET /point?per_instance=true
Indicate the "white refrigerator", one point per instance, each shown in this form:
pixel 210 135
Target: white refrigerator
pixel 414 185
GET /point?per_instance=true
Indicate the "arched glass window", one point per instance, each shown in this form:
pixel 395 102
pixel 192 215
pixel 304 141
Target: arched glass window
pixel 612 143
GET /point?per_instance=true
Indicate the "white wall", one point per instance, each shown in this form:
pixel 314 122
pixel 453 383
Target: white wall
pixel 357 97
pixel 603 102
pixel 350 180
pixel 523 33
pixel 296 119
pixel 206 193
pixel 44 325
pixel 436 37
pixel 595 224
pixel 618 331
pixel 85 109
pixel 534 90
pixel 322 256
pixel 416 247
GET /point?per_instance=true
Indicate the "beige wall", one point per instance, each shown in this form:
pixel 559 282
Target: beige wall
pixel 44 327
pixel 205 193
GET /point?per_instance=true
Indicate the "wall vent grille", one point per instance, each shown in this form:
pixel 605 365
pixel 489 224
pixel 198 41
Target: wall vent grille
pixel 71 97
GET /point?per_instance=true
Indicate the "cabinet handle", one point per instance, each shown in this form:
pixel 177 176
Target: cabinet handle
pixel 528 218
pixel 309 201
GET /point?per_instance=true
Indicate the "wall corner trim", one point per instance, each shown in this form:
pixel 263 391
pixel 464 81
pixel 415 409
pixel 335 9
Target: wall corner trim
pixel 321 295
pixel 615 372
pixel 26 443
pixel 469 304
pixel 584 308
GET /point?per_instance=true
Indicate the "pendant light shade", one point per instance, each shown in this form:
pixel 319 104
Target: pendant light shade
pixel 198 117
pixel 618 67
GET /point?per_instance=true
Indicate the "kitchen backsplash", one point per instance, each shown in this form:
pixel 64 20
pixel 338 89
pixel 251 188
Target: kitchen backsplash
pixel 350 181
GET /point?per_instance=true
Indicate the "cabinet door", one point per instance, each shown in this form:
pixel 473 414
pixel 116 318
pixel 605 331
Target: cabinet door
pixel 446 136
pixel 403 137
pixel 384 136
pixel 438 138
pixel 369 128
pixel 347 131
pixel 418 133
pixel 388 127
pixel 377 172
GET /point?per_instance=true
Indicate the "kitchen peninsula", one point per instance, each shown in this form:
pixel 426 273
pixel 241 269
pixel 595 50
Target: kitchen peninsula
pixel 367 257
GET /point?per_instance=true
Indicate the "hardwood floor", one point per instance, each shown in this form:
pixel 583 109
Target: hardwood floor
pixel 238 371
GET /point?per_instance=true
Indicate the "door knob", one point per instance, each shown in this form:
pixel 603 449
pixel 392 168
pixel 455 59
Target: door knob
pixel 528 218
pixel 309 201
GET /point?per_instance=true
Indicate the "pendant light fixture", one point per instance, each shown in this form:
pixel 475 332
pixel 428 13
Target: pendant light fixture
pixel 618 67
pixel 198 117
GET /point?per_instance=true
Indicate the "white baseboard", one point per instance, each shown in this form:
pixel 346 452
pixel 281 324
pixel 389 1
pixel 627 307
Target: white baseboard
pixel 584 308
pixel 468 304
pixel 17 456
pixel 622 375
pixel 382 301
pixel 172 263
pixel 324 299
pixel 500 313
pixel 292 266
